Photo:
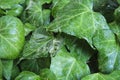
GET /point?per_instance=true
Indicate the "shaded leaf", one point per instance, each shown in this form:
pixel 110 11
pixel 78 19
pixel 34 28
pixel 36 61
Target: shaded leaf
pixel 35 14
pixel 47 74
pixel 35 65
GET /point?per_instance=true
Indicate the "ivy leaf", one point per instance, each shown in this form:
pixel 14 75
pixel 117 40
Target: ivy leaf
pixel 99 76
pixel 7 4
pixel 47 74
pixel 11 37
pixel 41 44
pixel 27 75
pixel 35 14
pixel 35 65
pixel 7 66
pixel 115 27
pixel 67 67
pixel 58 5
pixel 78 19
pixel 108 53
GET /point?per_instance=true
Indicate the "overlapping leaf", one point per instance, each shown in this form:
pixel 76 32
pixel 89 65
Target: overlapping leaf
pixel 67 67
pixel 35 14
pixel 7 4
pixel 105 42
pixel 99 76
pixel 40 44
pixel 78 19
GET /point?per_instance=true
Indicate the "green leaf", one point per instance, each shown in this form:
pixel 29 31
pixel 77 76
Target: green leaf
pixel 28 28
pixel 1 69
pixel 105 42
pixel 78 19
pixel 115 27
pixel 7 4
pixel 16 10
pixel 99 76
pixel 117 15
pixel 7 68
pixel 67 67
pixel 15 72
pixel 35 65
pixel 58 5
pixel 35 14
pixel 11 37
pixel 80 49
pixel 47 74
pixel 40 44
pixel 26 75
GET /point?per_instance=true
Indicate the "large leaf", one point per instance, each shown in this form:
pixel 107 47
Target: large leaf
pixel 99 76
pixel 78 19
pixel 35 14
pixel 11 37
pixel 105 42
pixel 26 75
pixel 7 68
pixel 67 67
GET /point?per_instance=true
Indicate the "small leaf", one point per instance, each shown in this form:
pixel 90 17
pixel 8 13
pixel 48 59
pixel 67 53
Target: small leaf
pixel 35 65
pixel 47 74
pixel 7 68
pixel 26 75
pixel 7 4
pixel 35 14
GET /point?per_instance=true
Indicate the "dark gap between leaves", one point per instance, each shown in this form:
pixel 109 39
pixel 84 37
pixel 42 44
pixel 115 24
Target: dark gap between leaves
pixel 93 63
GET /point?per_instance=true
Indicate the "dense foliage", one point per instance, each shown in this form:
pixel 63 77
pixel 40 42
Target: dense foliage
pixel 59 40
